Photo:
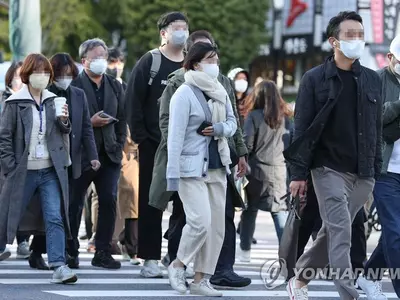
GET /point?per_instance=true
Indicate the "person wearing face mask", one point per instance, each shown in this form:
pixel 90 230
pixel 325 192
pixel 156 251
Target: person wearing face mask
pixel 105 98
pixel 386 191
pixel 224 275
pixel 337 140
pixel 14 84
pixel 33 158
pixel 146 84
pixel 200 121
pixel 116 63
pixel 240 80
pixel 65 70
pixel 13 81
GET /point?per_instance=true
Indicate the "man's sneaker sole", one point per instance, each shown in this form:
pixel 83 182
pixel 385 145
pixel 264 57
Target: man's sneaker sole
pixel 69 280
pixel 5 255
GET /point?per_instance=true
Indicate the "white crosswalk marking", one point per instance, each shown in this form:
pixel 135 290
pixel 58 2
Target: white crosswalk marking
pixel 123 284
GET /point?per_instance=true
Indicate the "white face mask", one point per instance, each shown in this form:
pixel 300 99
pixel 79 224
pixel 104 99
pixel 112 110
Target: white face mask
pixel 211 69
pixel 98 66
pixel 39 81
pixel 63 83
pixel 352 49
pixel 241 85
pixel 397 68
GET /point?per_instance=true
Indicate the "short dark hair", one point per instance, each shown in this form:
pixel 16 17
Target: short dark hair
pixel 196 35
pixel 11 72
pixel 115 54
pixel 169 18
pixel 197 53
pixel 34 62
pixel 60 62
pixel 333 28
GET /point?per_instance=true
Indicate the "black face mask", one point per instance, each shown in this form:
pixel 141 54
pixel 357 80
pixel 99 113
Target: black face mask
pixel 112 72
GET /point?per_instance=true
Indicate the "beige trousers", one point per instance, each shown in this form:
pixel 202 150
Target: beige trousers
pixel 204 202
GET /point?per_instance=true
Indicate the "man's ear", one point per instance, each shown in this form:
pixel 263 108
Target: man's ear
pixel 334 43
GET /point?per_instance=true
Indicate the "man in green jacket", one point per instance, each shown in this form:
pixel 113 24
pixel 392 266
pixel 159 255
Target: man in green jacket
pixel 224 275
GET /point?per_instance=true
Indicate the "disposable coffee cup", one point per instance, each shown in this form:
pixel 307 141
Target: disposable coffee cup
pixel 59 103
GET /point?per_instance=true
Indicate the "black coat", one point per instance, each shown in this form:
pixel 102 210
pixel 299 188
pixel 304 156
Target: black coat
pixel 318 93
pixel 83 146
pixel 114 135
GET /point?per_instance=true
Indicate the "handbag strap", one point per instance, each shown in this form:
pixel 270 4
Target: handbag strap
pixel 202 100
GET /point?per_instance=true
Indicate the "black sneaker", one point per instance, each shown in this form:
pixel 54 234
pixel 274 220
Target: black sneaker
pixel 73 262
pixel 228 280
pixel 103 259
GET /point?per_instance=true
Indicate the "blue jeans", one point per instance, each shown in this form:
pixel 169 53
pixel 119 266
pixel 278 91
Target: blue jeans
pixel 46 182
pixel 387 252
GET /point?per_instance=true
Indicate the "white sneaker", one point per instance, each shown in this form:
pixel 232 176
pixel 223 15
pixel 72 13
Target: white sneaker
pixel 5 254
pixel 151 269
pixel 23 251
pixel 177 279
pixel 134 261
pixel 372 289
pixel 64 275
pixel 243 255
pixel 189 272
pixel 204 288
pixel 125 256
pixel 296 293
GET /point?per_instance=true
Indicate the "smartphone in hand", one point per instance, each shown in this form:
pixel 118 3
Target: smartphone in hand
pixel 203 126
pixel 107 116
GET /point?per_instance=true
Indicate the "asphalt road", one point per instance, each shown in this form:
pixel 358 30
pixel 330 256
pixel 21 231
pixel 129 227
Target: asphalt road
pixel 19 282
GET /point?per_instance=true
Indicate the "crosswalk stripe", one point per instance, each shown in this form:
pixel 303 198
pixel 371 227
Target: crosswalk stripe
pixel 171 293
pixel 135 281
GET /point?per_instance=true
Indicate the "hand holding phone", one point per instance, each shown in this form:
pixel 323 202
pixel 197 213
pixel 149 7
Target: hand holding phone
pixel 205 128
pixel 107 116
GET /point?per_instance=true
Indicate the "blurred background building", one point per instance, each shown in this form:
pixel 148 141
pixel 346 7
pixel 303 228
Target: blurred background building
pixel 298 40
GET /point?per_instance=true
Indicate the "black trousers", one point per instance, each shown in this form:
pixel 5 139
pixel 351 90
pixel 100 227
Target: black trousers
pixel 178 220
pixel 150 218
pixel 106 183
pixel 129 236
pixel 311 222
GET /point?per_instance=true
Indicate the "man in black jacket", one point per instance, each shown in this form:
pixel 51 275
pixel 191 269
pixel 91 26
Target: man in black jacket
pixel 106 106
pixel 337 138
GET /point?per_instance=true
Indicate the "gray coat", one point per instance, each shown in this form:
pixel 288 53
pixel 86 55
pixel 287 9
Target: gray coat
pixel 15 131
pixel 267 181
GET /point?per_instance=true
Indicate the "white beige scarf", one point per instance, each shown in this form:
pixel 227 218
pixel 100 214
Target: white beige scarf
pixel 217 105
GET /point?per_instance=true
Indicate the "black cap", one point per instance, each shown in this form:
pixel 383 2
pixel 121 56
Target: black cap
pixel 170 17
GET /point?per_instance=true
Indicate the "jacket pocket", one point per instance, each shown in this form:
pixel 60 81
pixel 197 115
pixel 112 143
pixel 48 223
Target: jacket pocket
pixel 190 153
pixel 372 107
pixel 322 95
pixel 186 161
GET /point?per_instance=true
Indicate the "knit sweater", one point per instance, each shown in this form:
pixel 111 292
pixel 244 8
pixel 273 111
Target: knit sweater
pixel 43 162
